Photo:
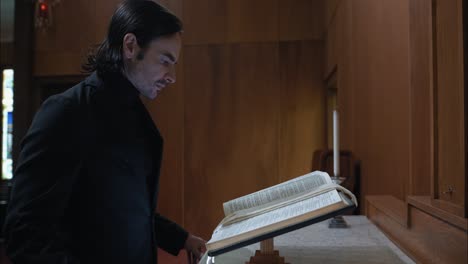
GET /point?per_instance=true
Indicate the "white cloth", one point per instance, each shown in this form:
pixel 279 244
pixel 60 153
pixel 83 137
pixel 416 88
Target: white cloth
pixel 361 243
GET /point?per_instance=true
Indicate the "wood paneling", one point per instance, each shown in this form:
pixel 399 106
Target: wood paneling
pixel 345 73
pixel 60 49
pixel 253 21
pixel 373 91
pixel 450 108
pixel 6 53
pixel 67 34
pixel 447 243
pixel 424 203
pixel 394 107
pixel 205 22
pixel 427 239
pixel 302 105
pixel 301 19
pixel 103 15
pixel 214 22
pixel 393 208
pixel 331 6
pixel 47 63
pixel 175 6
pixel 421 85
pixel 384 70
pixel 167 111
pixel 331 48
pixel 231 127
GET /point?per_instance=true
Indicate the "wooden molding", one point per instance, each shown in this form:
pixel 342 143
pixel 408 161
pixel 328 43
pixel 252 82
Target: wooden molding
pixel 391 206
pixel 449 177
pixel 420 96
pixel 424 204
pixel 449 207
pixel 427 238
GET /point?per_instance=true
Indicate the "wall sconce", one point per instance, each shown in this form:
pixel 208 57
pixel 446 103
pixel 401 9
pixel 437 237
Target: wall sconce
pixel 43 13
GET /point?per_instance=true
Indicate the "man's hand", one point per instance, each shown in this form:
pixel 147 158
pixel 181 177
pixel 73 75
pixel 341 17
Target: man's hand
pixel 195 246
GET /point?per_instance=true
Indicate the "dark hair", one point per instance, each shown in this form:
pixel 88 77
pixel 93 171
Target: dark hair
pixel 144 18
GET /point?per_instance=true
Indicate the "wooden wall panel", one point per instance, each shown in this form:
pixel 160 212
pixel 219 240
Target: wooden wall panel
pixel 449 98
pixel 302 129
pixel 345 73
pixel 103 15
pixel 421 85
pixel 205 22
pixel 67 34
pixel 426 239
pixel 331 7
pixel 331 48
pixel 231 127
pixel 301 19
pixel 381 87
pixel 58 63
pixel 253 21
pixel 167 111
pixel 369 43
pixel 447 243
pixel 60 49
pixel 6 53
pixel 175 6
pixel 383 59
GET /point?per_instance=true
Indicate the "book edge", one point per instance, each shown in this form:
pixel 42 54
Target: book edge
pixel 275 226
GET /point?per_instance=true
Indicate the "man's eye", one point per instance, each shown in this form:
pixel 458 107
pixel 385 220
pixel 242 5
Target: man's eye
pixel 165 61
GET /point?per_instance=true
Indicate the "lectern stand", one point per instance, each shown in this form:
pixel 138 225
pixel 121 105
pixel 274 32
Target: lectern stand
pixel 338 221
pixel 266 254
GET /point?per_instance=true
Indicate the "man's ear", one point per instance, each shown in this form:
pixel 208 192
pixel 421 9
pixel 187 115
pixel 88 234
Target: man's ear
pixel 130 46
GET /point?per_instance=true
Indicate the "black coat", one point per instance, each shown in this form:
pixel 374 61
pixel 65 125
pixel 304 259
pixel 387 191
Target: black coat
pixel 85 187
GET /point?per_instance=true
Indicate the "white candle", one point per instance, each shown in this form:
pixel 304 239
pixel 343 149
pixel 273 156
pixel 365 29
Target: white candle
pixel 336 151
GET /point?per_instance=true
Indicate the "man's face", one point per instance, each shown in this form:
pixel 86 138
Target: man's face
pixel 152 69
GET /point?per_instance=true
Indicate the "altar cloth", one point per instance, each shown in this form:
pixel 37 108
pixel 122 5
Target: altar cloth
pixel 361 243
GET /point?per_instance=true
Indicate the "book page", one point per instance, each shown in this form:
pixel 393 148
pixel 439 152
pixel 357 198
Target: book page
pixel 280 191
pixel 275 216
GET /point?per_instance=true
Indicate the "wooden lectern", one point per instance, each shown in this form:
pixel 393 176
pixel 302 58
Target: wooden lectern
pixel 266 254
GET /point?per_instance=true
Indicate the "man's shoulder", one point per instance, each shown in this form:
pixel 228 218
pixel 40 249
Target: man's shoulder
pixel 79 103
pixel 79 107
pixel 82 94
pixel 89 103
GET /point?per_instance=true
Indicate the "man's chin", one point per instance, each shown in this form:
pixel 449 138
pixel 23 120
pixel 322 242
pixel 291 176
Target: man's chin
pixel 151 96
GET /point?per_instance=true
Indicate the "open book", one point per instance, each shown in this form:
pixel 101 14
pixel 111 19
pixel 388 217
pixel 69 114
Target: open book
pixel 279 209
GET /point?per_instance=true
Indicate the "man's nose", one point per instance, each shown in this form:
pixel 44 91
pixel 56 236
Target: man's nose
pixel 171 75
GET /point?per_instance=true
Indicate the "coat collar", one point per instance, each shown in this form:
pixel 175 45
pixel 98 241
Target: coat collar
pixel 116 88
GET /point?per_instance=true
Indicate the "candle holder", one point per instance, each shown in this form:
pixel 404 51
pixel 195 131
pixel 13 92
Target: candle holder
pixel 338 180
pixel 337 221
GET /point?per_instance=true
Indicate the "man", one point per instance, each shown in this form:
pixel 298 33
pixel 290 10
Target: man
pixel 85 187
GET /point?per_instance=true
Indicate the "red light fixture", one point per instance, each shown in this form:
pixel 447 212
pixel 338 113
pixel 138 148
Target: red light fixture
pixel 43 6
pixel 43 10
pixel 43 13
